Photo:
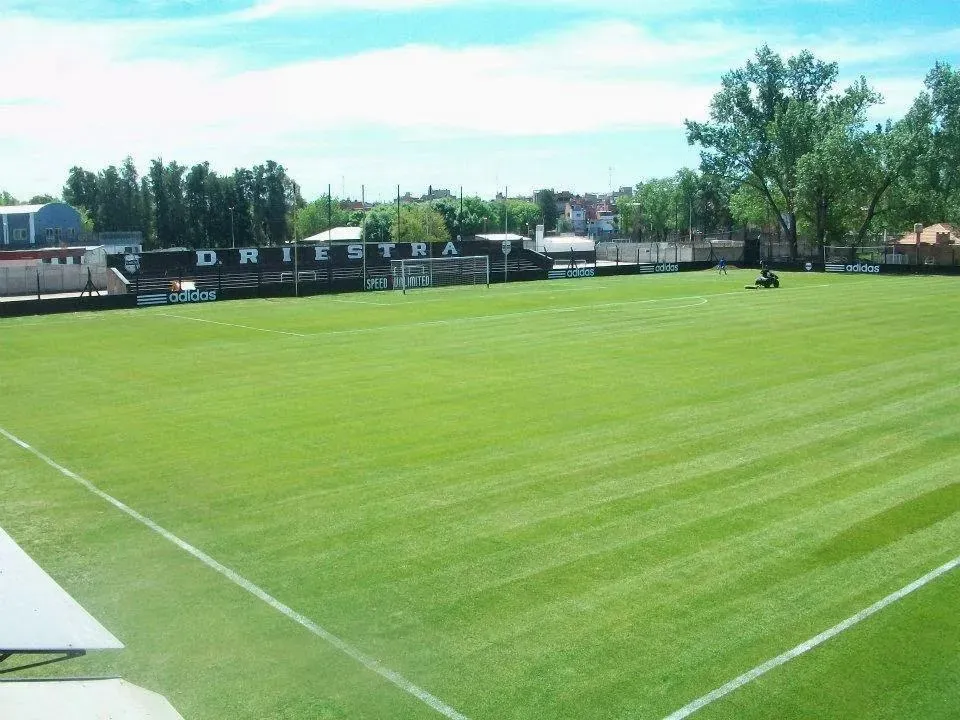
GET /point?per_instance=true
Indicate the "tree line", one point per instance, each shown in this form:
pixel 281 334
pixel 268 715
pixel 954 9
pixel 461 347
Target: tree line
pixel 782 149
pixel 796 153
pixel 196 207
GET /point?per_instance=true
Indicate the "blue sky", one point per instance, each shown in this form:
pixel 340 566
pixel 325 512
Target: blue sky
pixel 479 93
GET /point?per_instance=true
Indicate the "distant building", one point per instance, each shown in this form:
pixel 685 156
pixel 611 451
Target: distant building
pixel 935 244
pixel 46 225
pixel 577 215
pixel 436 194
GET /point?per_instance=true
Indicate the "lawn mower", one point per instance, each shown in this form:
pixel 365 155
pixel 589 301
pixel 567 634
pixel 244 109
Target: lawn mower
pixel 766 279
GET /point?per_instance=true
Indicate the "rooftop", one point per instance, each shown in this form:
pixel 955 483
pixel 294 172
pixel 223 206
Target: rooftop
pixel 928 235
pixel 19 209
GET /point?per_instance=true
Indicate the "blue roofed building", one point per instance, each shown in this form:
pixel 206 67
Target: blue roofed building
pixel 50 224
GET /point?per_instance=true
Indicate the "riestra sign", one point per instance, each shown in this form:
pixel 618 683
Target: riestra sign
pixel 321 253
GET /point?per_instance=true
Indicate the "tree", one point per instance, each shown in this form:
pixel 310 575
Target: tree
pixel 86 222
pixel 546 199
pixel 941 171
pixel 420 222
pixel 42 199
pixel 241 208
pixel 166 185
pixel 276 203
pixel 523 216
pixel 7 199
pixel 629 216
pixel 687 200
pixel 134 212
pixel 81 191
pixel 321 214
pixel 767 116
pixel 749 207
pixel 379 223
pixel 110 211
pixel 196 203
pixel 658 198
pixel 477 216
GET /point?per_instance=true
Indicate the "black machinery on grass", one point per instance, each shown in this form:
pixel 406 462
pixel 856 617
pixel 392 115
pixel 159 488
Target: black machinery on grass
pixel 766 279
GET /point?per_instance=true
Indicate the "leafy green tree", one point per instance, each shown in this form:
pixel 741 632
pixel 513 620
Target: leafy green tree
pixel 277 193
pixel 42 199
pixel 630 216
pixel 110 211
pixel 749 207
pixel 80 191
pixel 523 216
pixel 379 223
pixel 197 206
pixel 420 222
pixel 546 199
pixel 86 222
pixel 767 116
pixel 477 216
pixel 146 214
pixel 166 186
pixel 240 208
pixel 659 200
pixel 320 215
pixel 131 201
pixel 7 199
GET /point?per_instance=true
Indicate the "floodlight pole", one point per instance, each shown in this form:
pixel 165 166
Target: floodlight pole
pixel 363 232
pixel 296 266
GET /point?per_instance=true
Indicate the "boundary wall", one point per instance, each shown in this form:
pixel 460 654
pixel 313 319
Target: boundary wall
pixel 197 276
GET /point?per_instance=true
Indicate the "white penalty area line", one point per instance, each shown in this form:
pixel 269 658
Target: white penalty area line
pixel 813 642
pixel 343 646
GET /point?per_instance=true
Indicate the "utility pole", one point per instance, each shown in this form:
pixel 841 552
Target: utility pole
pixel 363 231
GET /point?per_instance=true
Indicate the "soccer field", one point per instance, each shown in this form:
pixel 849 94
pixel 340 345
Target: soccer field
pixel 595 498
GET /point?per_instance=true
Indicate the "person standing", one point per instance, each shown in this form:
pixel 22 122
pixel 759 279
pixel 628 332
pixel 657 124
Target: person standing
pixel 722 266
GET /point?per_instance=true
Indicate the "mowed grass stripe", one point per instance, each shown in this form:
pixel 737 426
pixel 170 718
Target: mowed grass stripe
pixel 599 512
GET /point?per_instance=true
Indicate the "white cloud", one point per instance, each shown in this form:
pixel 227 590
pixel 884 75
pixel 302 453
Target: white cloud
pixel 91 94
pixel 269 8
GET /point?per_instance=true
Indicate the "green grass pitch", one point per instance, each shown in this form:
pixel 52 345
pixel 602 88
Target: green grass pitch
pixel 597 498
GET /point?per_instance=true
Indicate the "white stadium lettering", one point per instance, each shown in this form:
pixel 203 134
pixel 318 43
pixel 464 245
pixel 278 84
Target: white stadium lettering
pixel 193 296
pixel 206 257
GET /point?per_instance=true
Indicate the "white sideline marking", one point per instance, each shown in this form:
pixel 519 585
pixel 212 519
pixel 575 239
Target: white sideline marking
pixel 244 327
pixel 341 645
pixel 363 302
pixel 813 642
